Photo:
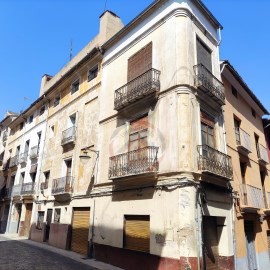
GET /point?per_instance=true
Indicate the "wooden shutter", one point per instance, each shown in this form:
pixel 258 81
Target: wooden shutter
pixel 140 62
pixel 204 55
pixel 80 230
pixel 210 242
pixel 137 233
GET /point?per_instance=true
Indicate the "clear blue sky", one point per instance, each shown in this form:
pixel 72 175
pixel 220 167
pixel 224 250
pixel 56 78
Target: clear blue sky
pixel 36 34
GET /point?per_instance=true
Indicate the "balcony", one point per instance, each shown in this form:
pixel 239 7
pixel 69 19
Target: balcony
pixel 34 151
pixel 209 84
pixel 62 185
pixel 262 154
pixel 23 157
pixel 213 162
pixel 28 189
pixel 243 141
pixel 14 161
pixel 68 136
pixel 6 165
pixel 8 192
pixel 138 88
pixel 141 161
pixel 252 198
pixel 16 190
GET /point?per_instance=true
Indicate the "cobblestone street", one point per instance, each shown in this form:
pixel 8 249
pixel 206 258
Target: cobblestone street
pixel 19 255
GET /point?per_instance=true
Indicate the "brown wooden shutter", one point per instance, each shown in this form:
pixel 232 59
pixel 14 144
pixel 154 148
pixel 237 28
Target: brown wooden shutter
pixel 204 55
pixel 140 62
pixel 137 233
pixel 80 230
pixel 210 248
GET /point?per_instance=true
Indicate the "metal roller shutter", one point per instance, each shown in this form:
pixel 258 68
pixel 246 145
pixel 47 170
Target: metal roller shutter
pixel 80 230
pixel 137 233
pixel 210 248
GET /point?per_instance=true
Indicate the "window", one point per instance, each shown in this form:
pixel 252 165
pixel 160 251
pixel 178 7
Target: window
pixel 92 73
pixel 234 92
pixel 57 215
pixel 21 125
pixel 204 54
pixel 138 134
pixel 207 130
pixel 56 100
pixel 256 137
pixel 42 110
pixel 262 175
pixel 31 118
pixel 40 219
pixel 243 167
pixel 140 62
pixel 253 113
pixel 75 86
pixel 137 233
pixel 237 131
pixel 47 178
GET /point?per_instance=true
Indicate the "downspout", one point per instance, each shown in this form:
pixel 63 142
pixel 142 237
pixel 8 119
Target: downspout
pixel 233 230
pixel 198 228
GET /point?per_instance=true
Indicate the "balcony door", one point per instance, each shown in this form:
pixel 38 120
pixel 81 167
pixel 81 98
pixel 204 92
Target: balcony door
pixel 137 141
pixel 207 135
pixel 204 54
pixel 68 172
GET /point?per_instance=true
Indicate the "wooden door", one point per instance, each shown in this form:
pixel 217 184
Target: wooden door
pixel 250 245
pixel 27 220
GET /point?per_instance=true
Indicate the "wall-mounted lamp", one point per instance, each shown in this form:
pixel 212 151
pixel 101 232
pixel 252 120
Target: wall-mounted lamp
pixel 85 156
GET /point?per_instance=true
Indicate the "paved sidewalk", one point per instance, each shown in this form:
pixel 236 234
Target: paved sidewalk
pixel 97 265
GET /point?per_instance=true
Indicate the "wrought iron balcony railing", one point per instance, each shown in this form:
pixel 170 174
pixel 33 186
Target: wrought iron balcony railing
pixel 34 151
pixel 23 157
pixel 28 188
pixel 16 190
pixel 252 196
pixel 214 162
pixel 243 140
pixel 14 161
pixel 62 185
pixel 135 162
pixel 68 135
pixel 262 154
pixel 138 88
pixel 206 81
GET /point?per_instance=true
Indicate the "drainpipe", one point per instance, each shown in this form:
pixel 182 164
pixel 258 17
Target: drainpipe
pixel 233 230
pixel 197 214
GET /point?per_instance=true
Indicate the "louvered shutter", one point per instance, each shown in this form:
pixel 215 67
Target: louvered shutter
pixel 140 62
pixel 137 233
pixel 204 55
pixel 268 242
pixel 80 230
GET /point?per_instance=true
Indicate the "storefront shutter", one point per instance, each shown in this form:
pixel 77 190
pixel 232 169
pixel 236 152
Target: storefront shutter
pixel 80 230
pixel 137 233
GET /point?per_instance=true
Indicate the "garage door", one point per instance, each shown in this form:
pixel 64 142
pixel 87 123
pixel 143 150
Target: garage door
pixel 80 230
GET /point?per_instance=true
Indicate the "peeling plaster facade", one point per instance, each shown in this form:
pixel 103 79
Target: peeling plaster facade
pixel 135 152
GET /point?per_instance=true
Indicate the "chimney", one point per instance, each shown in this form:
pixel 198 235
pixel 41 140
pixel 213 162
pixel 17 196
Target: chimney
pixel 44 80
pixel 110 24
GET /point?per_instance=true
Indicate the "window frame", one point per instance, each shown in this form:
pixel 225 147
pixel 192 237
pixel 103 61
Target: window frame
pixel 56 100
pixel 94 72
pixel 75 86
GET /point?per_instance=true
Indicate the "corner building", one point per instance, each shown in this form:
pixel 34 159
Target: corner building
pixel 163 192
